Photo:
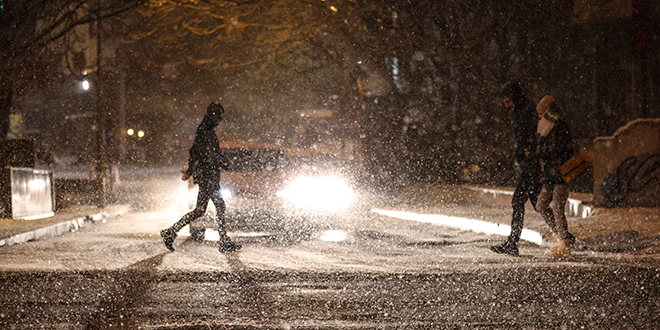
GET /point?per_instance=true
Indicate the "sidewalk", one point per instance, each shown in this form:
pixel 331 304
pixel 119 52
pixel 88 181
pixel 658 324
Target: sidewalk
pixel 15 231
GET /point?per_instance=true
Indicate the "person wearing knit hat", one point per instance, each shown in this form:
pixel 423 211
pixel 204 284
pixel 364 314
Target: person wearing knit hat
pixel 524 124
pixel 204 166
pixel 555 147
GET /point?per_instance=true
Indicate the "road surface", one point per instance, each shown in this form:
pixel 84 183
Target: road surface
pixel 359 271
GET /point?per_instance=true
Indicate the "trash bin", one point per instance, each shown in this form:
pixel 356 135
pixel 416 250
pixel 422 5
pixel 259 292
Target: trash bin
pixel 26 193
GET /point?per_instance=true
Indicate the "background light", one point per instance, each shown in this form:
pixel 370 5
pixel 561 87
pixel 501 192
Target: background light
pixel 130 131
pixel 85 85
pixel 140 133
pixel 324 193
pixel 226 193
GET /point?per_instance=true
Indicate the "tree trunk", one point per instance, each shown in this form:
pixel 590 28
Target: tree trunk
pixel 6 93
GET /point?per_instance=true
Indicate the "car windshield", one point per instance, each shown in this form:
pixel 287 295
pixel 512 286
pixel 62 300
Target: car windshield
pixel 255 160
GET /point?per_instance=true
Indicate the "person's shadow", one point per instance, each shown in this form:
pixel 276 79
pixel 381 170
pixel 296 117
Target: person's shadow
pixel 252 297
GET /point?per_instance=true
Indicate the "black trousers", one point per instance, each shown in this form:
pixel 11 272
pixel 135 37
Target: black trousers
pixel 208 190
pixel 528 186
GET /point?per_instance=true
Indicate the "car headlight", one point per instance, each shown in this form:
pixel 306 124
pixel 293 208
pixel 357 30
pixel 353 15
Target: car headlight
pixel 226 193
pixel 323 193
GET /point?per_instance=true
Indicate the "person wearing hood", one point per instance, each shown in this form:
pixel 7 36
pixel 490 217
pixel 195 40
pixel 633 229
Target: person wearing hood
pixel 555 147
pixel 204 166
pixel 524 124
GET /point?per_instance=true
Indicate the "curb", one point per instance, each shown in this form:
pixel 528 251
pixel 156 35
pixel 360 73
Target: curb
pixel 465 224
pixel 63 227
pixel 487 196
pixel 574 207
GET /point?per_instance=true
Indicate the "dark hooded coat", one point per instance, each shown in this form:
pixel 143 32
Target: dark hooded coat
pixel 524 122
pixel 206 161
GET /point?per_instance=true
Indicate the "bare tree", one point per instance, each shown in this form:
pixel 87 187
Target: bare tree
pixel 276 44
pixel 30 35
pixel 258 37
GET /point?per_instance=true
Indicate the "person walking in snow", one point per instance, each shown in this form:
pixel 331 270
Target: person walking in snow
pixel 204 166
pixel 555 147
pixel 524 124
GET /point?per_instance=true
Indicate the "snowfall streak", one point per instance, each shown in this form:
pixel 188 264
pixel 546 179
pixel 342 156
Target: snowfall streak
pixel 462 223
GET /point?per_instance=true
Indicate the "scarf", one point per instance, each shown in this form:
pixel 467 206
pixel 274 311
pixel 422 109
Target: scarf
pixel 548 109
pixel 546 124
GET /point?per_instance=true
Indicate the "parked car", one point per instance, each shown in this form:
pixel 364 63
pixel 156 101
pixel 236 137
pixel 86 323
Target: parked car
pixel 265 191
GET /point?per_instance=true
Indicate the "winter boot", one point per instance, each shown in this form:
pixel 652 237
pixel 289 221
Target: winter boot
pixel 571 239
pixel 560 249
pixel 229 246
pixel 168 238
pixel 226 245
pixel 507 247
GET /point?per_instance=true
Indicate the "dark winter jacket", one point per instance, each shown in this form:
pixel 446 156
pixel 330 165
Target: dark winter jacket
pixel 205 161
pixel 523 121
pixel 555 149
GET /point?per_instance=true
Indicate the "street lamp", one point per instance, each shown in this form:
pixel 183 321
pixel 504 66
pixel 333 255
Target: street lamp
pixel 85 85
pixel 130 132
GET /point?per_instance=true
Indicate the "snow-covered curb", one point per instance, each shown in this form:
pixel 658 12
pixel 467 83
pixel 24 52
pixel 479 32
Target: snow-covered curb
pixel 61 228
pixel 574 207
pixel 465 224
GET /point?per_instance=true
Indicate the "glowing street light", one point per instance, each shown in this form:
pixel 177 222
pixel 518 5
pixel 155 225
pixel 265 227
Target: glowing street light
pixel 131 131
pixel 85 85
